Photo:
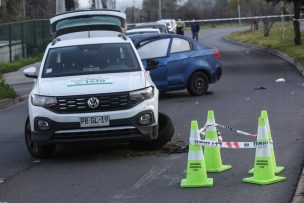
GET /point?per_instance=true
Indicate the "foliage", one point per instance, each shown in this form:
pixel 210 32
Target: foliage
pixel 5 90
pixel 16 65
pixel 274 41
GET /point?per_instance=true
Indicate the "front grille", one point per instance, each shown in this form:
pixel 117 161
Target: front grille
pixel 107 102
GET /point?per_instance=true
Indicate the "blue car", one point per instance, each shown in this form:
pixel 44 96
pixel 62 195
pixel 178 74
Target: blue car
pixel 177 62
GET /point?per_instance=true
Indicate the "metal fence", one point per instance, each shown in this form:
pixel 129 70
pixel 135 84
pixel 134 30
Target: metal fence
pixel 23 39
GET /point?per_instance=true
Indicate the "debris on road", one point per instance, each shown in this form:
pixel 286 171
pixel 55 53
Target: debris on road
pixel 260 88
pixel 36 161
pixel 281 80
pixel 1 180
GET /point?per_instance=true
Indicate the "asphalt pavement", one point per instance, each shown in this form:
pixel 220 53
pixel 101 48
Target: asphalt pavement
pixel 115 173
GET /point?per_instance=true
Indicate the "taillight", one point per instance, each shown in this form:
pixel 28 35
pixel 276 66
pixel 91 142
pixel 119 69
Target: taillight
pixel 217 54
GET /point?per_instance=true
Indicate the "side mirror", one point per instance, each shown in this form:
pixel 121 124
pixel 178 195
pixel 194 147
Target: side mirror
pixel 151 64
pixel 30 72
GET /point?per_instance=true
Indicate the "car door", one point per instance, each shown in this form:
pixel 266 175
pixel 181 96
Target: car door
pixel 156 49
pixel 177 62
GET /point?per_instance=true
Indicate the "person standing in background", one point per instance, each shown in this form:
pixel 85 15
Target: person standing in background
pixel 180 26
pixel 195 28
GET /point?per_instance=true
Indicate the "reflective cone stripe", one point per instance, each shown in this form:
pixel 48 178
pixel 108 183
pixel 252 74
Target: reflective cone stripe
pixel 196 168
pixel 213 158
pixel 277 169
pixel 195 153
pixel 262 137
pixel 263 167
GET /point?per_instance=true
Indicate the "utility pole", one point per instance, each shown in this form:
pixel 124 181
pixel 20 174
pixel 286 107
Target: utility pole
pixel 23 5
pixel 159 9
pixel 239 12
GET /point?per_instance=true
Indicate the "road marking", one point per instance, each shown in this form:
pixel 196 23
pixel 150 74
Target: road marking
pixel 153 174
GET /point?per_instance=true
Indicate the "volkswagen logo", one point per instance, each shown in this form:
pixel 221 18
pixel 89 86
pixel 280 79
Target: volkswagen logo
pixel 93 102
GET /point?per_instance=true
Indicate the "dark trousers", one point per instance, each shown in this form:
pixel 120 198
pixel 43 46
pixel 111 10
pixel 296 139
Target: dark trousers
pixel 179 31
pixel 195 35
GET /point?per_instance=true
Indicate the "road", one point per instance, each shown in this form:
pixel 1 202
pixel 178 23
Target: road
pixel 103 173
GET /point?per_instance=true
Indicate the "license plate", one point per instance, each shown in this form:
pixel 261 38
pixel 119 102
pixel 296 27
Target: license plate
pixel 94 121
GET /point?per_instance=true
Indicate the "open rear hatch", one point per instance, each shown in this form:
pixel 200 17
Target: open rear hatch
pixel 88 23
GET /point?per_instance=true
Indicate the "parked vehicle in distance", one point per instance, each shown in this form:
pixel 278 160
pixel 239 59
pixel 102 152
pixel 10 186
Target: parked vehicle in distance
pixel 88 23
pixel 182 62
pixel 170 23
pixel 142 31
pixel 161 26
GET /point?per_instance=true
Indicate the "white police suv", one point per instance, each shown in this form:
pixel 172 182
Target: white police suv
pixel 90 89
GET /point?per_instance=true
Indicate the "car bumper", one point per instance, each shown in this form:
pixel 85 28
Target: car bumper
pixel 124 125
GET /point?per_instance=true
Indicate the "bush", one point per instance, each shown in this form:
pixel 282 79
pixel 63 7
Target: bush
pixel 5 90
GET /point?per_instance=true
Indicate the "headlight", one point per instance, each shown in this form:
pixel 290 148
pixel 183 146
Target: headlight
pixel 43 101
pixel 143 94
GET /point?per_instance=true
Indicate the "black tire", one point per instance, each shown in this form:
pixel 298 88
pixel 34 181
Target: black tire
pixel 165 133
pixel 37 151
pixel 198 84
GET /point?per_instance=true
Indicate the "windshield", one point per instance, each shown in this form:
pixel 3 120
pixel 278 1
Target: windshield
pixel 89 20
pixel 90 59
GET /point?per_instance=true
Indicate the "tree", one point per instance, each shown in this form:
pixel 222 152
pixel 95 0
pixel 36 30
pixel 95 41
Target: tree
pixel 297 16
pixel 296 21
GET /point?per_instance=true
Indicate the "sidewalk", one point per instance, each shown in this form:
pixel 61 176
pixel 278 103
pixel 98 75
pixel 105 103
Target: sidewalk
pixel 21 85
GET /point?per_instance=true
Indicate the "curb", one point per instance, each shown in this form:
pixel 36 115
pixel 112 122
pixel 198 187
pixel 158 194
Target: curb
pixel 299 194
pixel 271 51
pixel 4 103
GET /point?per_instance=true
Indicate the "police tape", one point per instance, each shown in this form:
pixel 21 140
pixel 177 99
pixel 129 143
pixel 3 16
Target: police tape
pixel 232 145
pixel 202 130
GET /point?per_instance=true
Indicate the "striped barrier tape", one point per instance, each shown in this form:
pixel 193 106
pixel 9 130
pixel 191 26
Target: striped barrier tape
pixel 231 145
pixel 202 130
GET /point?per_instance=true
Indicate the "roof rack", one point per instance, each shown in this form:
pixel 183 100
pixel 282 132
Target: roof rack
pixel 55 41
pixel 122 36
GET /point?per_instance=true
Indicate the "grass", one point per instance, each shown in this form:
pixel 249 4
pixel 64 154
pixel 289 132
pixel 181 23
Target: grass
pixel 5 90
pixel 277 40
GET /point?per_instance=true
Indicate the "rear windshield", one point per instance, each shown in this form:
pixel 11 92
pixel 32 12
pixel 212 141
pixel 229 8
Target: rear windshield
pixel 87 20
pixel 90 59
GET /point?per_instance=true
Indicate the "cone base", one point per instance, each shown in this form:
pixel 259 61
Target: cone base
pixel 218 170
pixel 277 170
pixel 190 184
pixel 253 180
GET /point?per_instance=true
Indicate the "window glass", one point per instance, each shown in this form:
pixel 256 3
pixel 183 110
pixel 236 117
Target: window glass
pixel 154 49
pixel 90 59
pixel 88 20
pixel 179 45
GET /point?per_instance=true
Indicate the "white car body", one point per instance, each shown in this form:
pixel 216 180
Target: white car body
pixel 170 23
pixel 65 86
pixel 142 31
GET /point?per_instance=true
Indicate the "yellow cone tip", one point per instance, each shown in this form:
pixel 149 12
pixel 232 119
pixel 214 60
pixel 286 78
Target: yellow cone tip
pixel 210 115
pixel 261 121
pixel 264 114
pixel 194 125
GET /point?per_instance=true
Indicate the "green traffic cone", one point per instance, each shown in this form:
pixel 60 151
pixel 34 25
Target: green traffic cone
pixel 277 169
pixel 196 168
pixel 213 158
pixel 263 167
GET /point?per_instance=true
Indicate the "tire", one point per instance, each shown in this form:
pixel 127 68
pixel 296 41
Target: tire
pixel 37 151
pixel 198 84
pixel 165 133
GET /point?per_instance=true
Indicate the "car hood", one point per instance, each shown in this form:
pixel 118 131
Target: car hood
pixel 91 84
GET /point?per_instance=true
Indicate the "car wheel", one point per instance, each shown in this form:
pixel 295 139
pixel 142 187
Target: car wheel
pixel 198 84
pixel 37 151
pixel 165 133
